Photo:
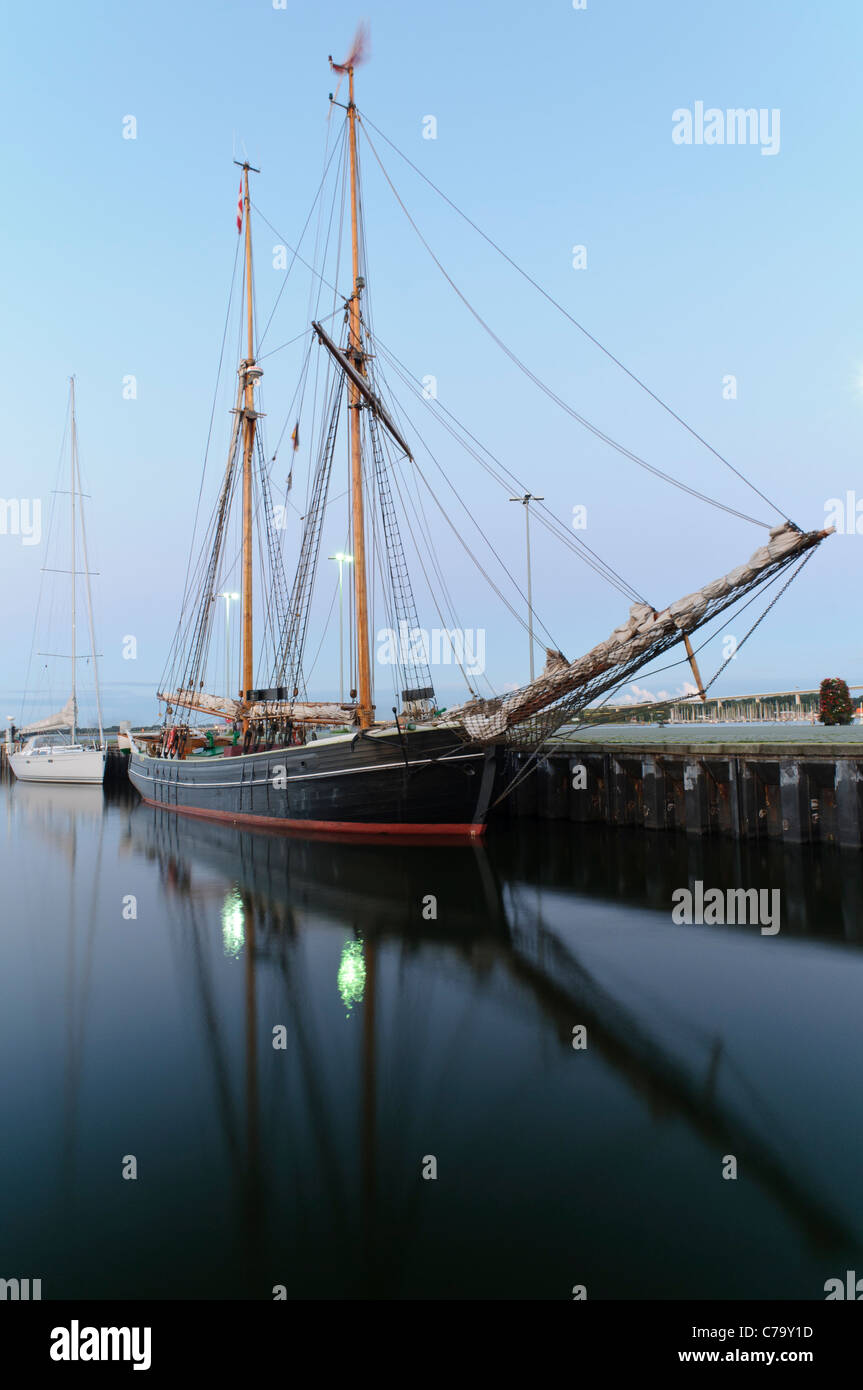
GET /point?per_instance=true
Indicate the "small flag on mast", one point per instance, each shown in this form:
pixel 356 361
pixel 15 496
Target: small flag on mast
pixel 240 208
pixel 359 51
pixel 295 437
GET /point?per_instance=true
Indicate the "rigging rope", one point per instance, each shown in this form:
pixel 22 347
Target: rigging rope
pixel 460 500
pixel 552 524
pixel 544 515
pixel 552 395
pixel 187 581
pixel 774 600
pixel 567 315
pixel 300 242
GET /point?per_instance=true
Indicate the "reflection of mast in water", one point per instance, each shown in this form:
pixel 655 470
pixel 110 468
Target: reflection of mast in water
pixel 357 981
pixel 57 813
pixel 568 991
pixel 253 1151
pixel 369 1098
pixel 237 911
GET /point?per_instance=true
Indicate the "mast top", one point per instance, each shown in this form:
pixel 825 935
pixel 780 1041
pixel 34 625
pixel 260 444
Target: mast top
pixel 244 164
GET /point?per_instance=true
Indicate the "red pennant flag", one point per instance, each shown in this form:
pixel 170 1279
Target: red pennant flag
pixel 240 208
pixel 359 51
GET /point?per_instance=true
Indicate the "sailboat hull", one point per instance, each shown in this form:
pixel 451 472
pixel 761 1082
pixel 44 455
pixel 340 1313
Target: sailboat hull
pixel 424 783
pixel 85 766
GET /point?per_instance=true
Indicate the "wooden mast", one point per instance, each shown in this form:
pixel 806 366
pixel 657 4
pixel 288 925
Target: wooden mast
pixel 365 709
pixel 250 377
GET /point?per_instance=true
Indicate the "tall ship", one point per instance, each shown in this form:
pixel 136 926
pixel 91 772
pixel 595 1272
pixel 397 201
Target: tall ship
pixel 282 759
pixel 51 749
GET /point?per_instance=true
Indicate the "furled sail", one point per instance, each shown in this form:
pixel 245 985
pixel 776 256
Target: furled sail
pixel 302 711
pixel 218 705
pixel 633 644
pixel 62 720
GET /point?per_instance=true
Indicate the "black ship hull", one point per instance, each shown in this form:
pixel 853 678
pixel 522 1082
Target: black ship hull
pixel 424 782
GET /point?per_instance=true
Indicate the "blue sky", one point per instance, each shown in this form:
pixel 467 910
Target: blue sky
pixel 553 130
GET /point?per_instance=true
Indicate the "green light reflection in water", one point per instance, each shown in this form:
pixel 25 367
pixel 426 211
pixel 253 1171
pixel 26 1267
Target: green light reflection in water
pixel 233 924
pixel 352 974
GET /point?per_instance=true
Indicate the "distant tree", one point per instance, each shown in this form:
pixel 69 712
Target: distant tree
pixel 836 707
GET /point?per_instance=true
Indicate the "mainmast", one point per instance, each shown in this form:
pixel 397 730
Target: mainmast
pixel 365 708
pixel 250 374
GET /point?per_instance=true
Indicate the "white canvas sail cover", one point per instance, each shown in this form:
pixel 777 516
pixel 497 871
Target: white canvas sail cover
pixel 199 700
pixel 63 720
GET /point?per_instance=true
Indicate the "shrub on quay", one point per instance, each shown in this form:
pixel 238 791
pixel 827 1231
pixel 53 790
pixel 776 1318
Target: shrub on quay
pixel 836 707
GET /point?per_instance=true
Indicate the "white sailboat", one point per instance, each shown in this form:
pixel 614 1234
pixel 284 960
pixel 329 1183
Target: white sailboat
pixel 46 752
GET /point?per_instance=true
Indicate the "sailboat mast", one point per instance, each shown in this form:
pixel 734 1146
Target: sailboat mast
pixel 249 378
pixel 72 470
pixel 365 709
pixel 89 594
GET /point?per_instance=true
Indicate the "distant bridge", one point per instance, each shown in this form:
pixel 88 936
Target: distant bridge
pixel 777 705
pixel 782 706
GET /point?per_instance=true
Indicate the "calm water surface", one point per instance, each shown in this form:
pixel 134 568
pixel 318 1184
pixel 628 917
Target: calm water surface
pixel 408 1036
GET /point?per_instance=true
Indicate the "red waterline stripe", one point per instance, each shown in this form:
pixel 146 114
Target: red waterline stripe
pixel 384 830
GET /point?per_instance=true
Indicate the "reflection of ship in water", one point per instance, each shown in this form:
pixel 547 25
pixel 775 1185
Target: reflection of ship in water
pixel 68 819
pixel 268 887
pixel 56 809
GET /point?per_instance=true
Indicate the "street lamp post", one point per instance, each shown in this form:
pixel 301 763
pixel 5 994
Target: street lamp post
pixel 343 560
pixel 227 598
pixel 526 501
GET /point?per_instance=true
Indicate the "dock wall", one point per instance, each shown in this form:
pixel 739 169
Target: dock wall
pixel 794 796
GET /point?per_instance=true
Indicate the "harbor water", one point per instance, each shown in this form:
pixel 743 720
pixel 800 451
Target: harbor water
pixel 239 1063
